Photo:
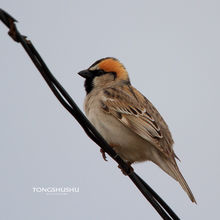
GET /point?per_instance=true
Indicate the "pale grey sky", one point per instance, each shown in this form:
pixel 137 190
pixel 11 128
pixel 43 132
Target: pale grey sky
pixel 171 51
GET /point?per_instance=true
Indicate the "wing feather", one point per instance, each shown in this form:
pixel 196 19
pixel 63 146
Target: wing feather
pixel 133 110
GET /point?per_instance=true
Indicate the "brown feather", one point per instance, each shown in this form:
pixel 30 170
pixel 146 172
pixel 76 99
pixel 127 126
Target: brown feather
pixel 129 121
pixel 139 115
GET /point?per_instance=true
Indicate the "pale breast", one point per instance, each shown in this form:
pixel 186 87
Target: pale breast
pixel 127 144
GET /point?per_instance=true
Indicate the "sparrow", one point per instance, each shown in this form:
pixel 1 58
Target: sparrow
pixel 127 120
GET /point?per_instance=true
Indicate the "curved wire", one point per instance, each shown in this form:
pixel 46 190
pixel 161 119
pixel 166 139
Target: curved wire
pixel 65 99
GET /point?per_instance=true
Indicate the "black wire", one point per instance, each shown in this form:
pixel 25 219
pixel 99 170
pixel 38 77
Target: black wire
pixel 158 198
pixel 65 99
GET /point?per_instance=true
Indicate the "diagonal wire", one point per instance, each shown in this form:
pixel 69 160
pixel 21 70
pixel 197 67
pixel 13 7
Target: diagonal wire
pixel 65 99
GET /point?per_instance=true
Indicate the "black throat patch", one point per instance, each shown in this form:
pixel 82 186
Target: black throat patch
pixel 88 85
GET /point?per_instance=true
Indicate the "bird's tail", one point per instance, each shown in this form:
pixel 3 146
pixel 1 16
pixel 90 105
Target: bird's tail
pixel 179 177
pixel 172 169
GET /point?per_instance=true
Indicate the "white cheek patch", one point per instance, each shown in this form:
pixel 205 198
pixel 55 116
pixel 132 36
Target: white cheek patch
pixel 96 67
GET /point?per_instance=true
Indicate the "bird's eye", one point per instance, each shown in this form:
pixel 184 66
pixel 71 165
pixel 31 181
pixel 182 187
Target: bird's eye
pixel 99 72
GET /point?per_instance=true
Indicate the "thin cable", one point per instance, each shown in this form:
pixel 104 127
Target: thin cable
pixel 65 99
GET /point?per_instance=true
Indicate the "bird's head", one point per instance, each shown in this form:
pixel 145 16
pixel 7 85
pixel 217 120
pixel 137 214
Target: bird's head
pixel 103 72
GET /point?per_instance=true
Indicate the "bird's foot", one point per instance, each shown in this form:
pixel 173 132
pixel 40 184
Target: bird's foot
pixel 103 154
pixel 130 169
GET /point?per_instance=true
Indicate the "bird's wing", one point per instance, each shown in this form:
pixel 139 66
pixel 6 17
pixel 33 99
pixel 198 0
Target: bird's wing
pixel 132 109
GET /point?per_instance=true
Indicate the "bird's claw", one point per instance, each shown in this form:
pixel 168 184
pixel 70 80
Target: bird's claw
pixel 130 169
pixel 103 154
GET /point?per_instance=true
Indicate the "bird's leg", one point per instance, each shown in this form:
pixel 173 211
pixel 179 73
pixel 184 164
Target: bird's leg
pixel 130 168
pixel 129 163
pixel 115 147
pixel 103 154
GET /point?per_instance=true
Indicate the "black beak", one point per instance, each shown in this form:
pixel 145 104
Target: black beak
pixel 85 74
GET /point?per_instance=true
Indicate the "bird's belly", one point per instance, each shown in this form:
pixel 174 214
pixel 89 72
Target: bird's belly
pixel 125 142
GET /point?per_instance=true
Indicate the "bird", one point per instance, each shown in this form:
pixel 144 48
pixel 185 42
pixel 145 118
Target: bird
pixel 127 120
